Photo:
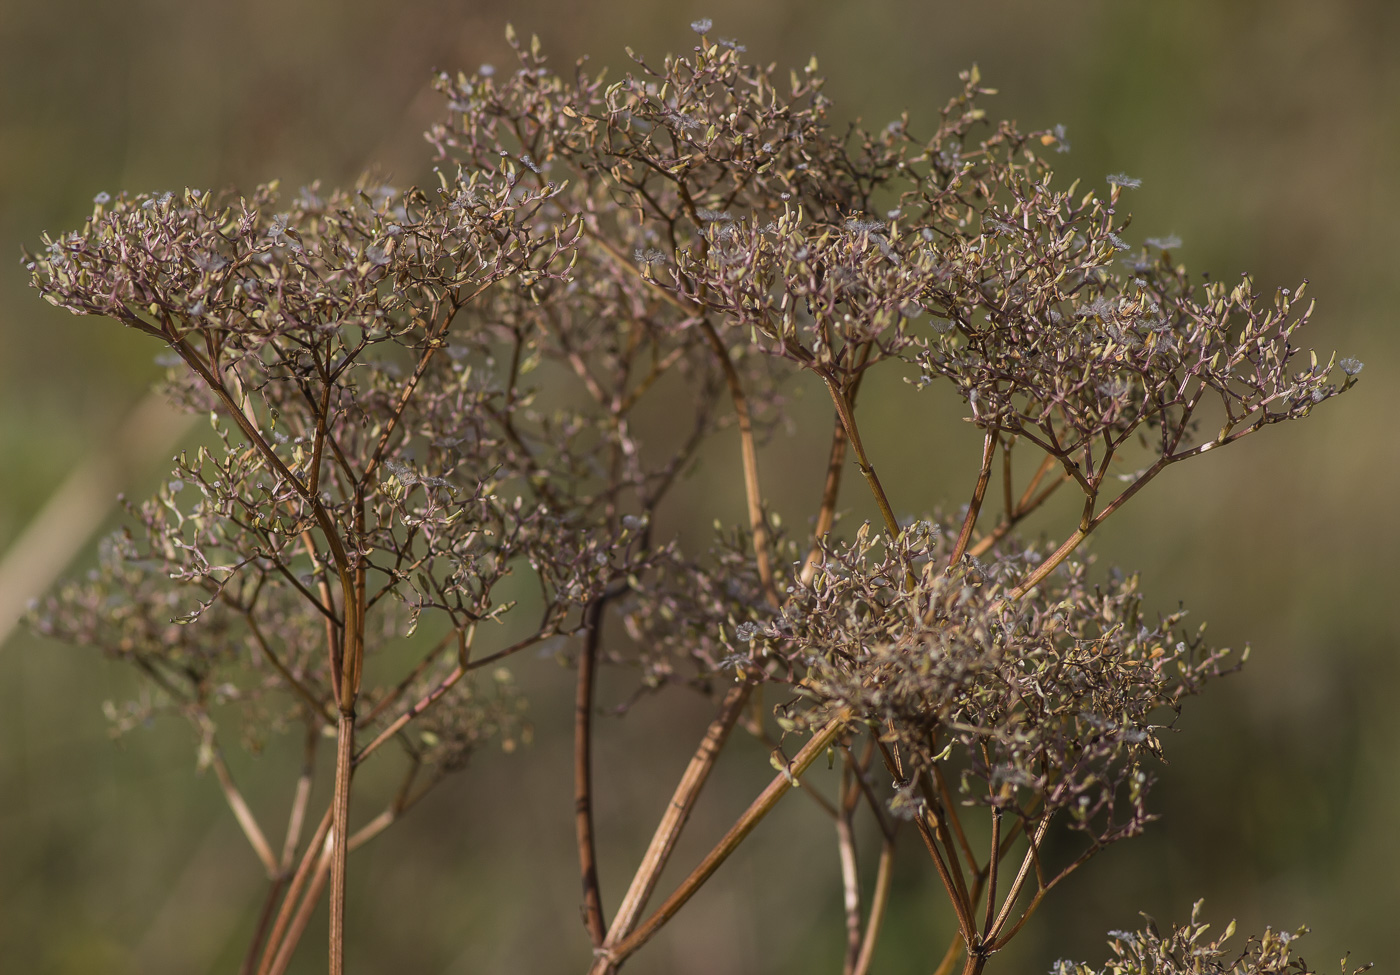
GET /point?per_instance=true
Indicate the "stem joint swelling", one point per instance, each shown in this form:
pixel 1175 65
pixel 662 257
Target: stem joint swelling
pixel 432 409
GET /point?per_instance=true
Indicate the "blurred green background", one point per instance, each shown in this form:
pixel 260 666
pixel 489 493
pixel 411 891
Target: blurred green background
pixel 1267 136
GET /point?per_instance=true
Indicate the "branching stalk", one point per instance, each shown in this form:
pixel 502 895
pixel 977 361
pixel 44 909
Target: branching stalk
pixel 779 787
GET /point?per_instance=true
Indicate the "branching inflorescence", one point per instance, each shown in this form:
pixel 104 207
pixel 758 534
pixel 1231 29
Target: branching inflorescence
pixel 424 407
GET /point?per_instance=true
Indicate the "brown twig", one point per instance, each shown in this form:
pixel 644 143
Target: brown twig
pixel 302 917
pixel 974 506
pixel 302 798
pixel 1004 528
pixel 848 423
pixel 610 956
pixel 446 684
pixel 955 896
pixel 748 450
pixel 250 957
pixel 247 822
pixel 344 769
pixel 1014 892
pixel 831 489
pixel 384 703
pixel 280 926
pixel 850 885
pixel 934 811
pixel 677 812
pixel 583 773
pixel 994 859
pixel 879 901
pixel 950 810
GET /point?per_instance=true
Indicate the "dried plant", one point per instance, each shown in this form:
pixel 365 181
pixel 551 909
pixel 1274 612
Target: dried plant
pixel 1186 949
pixel 425 406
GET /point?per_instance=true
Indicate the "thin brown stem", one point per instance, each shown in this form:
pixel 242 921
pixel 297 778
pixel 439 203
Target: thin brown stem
pixel 250 958
pixel 583 774
pixel 1014 892
pixel 1070 544
pixel 887 830
pixel 677 812
pixel 404 800
pixel 259 442
pixel 319 443
pixel 1046 463
pixel 960 907
pixel 850 888
pixel 1043 888
pixel 992 863
pixel 951 812
pixel 989 448
pixel 352 659
pixel 1007 505
pixel 1004 528
pixel 344 769
pixel 445 685
pixel 848 422
pixel 748 448
pixel 431 345
pixel 1050 564
pixel 302 798
pixel 309 859
pixel 831 489
pixel 303 915
pixel 879 901
pixel 301 690
pixel 384 703
pixel 611 956
pixel 247 822
pixel 417 708
pixel 935 811
pixel 749 455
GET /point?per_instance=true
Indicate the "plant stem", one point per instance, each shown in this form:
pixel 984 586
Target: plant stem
pixel 611 957
pixel 850 887
pixel 993 861
pixel 446 684
pixel 749 455
pixel 246 820
pixel 297 818
pixel 1015 890
pixel 848 422
pixel 1004 528
pixel 677 812
pixel 974 506
pixel 344 769
pixel 950 810
pixel 884 873
pixel 831 489
pixel 583 774
pixel 250 959
pixel 312 856
pixel 303 915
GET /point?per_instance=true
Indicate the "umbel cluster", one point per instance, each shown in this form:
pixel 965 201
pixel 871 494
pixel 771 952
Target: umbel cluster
pixel 448 422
